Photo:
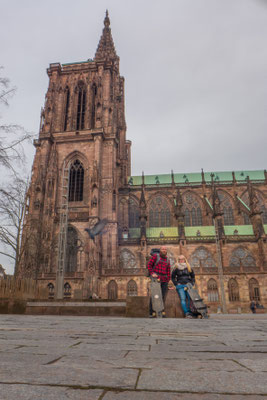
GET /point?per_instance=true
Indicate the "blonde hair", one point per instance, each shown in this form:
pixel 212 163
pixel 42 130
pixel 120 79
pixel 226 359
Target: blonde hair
pixel 187 263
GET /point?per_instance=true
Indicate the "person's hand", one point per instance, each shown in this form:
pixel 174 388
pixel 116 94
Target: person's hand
pixel 154 275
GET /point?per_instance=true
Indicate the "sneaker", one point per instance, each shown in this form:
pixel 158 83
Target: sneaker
pixel 163 314
pixel 153 315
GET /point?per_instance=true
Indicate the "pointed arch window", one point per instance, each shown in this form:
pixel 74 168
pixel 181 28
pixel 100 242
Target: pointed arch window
pixel 76 180
pixel 122 216
pixel 67 105
pixel 242 257
pixel 159 213
pixel 192 210
pixel 254 289
pixel 112 290
pixel 93 98
pixel 114 200
pixel 202 258
pixel 226 207
pixel 228 216
pixel 134 213
pixel 71 250
pixel 187 219
pixel 233 290
pixel 81 106
pixel 213 294
pixel 132 288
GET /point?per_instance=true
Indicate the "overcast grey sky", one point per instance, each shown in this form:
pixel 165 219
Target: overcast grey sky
pixel 195 74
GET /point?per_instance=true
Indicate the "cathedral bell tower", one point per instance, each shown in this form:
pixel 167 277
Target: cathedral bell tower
pixel 83 132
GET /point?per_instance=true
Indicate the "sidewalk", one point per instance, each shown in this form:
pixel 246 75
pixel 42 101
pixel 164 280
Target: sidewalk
pixel 94 358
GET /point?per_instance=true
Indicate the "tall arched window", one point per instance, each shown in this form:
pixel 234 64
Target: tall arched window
pixel 202 258
pixel 93 98
pixel 112 290
pixel 254 289
pixel 76 178
pixel 134 221
pixel 213 294
pixel 226 207
pixel 71 250
pixel 67 105
pixel 114 198
pixel 132 288
pixel 122 216
pixel 81 106
pixel 192 210
pixel 242 257
pixel 233 290
pixel 159 212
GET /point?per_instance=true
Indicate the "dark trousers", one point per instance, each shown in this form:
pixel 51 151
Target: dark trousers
pixel 164 290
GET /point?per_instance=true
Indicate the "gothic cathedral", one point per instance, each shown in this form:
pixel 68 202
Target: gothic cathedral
pixel 82 174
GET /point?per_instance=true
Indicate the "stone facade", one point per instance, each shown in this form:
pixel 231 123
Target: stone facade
pixel 217 220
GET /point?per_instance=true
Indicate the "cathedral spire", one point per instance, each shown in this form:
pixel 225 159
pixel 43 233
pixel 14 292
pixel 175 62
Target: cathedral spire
pixel 106 49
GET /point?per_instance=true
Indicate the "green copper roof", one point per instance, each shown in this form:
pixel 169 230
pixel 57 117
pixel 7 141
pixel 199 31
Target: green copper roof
pixel 204 231
pixel 194 231
pixel 191 177
pixel 79 62
pixel 167 232
pixel 242 230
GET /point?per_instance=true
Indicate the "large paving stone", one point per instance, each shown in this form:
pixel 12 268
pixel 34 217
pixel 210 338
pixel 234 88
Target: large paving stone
pixel 28 392
pixel 161 355
pixel 204 381
pixel 69 375
pixel 150 363
pixel 255 365
pixel 174 396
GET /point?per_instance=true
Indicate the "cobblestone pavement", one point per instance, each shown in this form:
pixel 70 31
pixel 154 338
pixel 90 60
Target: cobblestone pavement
pixel 95 358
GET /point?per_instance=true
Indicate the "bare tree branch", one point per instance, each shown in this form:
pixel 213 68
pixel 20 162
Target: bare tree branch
pixel 12 137
pixel 12 212
pixel 8 255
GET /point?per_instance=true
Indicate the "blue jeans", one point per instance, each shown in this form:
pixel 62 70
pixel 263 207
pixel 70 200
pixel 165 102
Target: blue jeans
pixel 184 297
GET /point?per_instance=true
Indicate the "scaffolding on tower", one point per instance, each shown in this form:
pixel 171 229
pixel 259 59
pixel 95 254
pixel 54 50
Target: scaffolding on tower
pixel 63 232
pixel 219 257
pixel 220 267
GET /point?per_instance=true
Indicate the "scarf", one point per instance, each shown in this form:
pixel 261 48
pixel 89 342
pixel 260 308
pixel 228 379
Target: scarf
pixel 182 266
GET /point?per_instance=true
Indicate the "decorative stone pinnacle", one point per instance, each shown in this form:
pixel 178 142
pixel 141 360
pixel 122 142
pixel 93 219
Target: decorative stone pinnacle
pixel 106 49
pixel 106 20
